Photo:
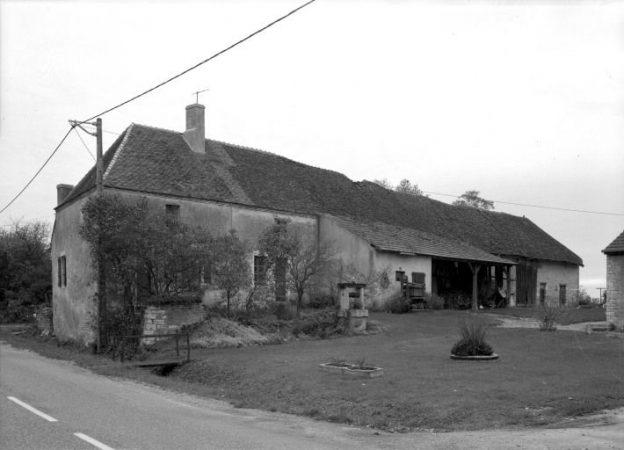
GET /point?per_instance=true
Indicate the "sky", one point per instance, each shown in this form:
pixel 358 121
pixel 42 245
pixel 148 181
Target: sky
pixel 522 101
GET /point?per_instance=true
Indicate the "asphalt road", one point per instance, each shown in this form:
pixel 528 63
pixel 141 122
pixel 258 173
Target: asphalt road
pixel 53 405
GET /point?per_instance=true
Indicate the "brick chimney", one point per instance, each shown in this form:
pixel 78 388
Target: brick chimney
pixel 195 134
pixel 62 191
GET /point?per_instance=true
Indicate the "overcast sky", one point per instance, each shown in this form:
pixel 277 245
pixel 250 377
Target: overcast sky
pixel 523 101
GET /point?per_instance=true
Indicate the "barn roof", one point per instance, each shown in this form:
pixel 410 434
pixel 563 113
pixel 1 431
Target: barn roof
pixel 157 161
pixel 392 238
pixel 615 247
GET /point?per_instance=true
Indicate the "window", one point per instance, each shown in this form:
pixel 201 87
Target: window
pixel 418 277
pixel 260 269
pixel 61 270
pixel 385 280
pixel 398 275
pixel 562 294
pixel 206 275
pixel 172 213
pixel 542 293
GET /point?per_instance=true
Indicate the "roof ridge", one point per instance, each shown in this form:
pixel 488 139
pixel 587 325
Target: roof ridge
pixel 266 152
pixel 156 128
pixel 119 149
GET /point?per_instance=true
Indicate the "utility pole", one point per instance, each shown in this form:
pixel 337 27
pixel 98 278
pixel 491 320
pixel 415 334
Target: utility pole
pixel 99 162
pixel 99 189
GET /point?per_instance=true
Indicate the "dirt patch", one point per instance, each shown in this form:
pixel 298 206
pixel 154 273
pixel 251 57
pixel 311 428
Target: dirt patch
pixel 522 322
pixel 220 333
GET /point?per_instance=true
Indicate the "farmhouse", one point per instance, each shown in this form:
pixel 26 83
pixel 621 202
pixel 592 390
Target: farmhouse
pixel 615 281
pixel 381 236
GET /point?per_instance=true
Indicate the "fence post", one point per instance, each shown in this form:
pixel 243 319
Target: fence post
pixel 188 347
pixel 177 337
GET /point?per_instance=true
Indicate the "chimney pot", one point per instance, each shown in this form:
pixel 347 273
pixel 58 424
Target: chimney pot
pixel 62 191
pixel 195 133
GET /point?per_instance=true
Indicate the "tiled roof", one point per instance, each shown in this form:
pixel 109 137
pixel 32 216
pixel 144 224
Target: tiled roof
pixel 617 246
pixel 406 240
pixel 153 160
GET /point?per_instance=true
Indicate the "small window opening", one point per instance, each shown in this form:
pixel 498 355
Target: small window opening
pixel 261 263
pixel 61 268
pixel 172 213
pixel 542 293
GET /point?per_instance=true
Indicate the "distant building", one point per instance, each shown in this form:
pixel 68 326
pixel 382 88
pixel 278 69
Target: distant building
pixel 615 281
pixel 380 235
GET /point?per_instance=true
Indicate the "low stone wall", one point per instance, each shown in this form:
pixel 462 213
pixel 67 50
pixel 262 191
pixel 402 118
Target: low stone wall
pixel 169 319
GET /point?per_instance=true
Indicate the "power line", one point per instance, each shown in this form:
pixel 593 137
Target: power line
pixel 38 171
pixel 535 206
pixel 153 89
pixel 201 62
pixel 84 143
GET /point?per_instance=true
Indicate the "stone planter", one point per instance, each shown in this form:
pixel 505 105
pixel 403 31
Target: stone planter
pixel 367 372
pixel 334 368
pixel 491 357
pixel 352 371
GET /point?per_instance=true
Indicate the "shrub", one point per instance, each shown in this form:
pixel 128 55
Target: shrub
pixel 398 305
pixel 549 316
pixel 434 301
pixel 459 300
pixel 472 342
pixel 322 301
pixel 284 311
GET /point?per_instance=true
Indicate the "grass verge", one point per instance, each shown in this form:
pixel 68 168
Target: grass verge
pixel 540 379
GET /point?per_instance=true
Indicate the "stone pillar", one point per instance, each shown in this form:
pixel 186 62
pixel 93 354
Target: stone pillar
pixel 511 287
pixel 615 290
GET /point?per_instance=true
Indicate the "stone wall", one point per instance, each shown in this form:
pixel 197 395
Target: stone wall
pixel 615 290
pixel 169 319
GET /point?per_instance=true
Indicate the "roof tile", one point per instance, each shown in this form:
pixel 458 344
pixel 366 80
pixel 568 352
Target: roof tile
pixel 154 160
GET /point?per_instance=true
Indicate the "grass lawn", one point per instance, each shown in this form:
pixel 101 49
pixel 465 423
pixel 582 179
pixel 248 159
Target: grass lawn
pixel 569 316
pixel 540 379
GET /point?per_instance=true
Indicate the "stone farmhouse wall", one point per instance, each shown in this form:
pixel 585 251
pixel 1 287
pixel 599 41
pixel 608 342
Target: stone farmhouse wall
pixel 615 290
pixel 169 319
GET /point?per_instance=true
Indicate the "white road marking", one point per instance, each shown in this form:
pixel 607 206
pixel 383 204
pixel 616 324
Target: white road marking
pixel 33 410
pixel 92 441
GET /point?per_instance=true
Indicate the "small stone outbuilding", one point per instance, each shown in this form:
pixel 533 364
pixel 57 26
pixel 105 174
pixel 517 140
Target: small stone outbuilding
pixel 615 281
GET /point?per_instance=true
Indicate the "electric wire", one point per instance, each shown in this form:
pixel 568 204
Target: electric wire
pixel 153 89
pixel 535 206
pixel 38 171
pixel 84 143
pixel 201 62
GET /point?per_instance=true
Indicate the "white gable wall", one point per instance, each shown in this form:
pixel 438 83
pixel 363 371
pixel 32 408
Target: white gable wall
pixel 555 274
pixel 74 304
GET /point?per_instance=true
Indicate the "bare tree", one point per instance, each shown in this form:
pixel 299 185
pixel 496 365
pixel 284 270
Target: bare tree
pixel 302 257
pixel 471 198
pixel 141 255
pixel 384 184
pixel 406 187
pixel 229 266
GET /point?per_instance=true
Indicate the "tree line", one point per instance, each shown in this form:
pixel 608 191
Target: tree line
pixel 469 198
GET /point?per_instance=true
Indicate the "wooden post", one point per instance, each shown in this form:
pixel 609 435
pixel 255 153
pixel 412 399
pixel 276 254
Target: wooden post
pixel 102 308
pixel 475 271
